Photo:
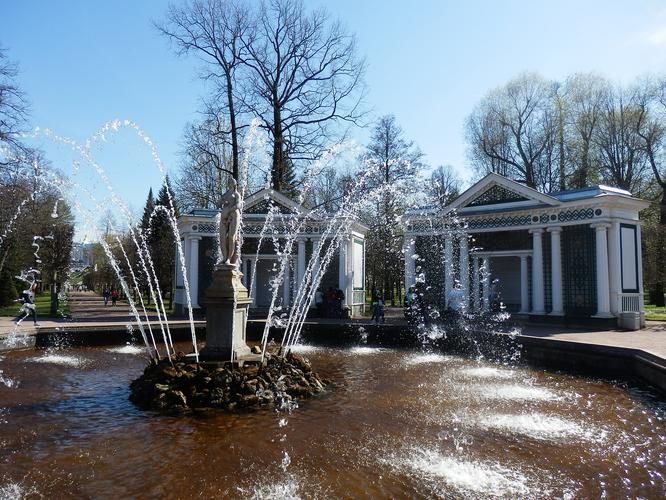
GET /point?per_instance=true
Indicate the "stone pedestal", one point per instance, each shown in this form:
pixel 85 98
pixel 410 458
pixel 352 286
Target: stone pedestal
pixel 227 304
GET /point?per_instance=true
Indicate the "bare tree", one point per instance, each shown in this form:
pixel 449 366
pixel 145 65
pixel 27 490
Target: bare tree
pixel 305 81
pixel 650 100
pixel 13 118
pixel 206 164
pixel 213 30
pixel 584 95
pixel 512 131
pixel 621 151
pixel 444 185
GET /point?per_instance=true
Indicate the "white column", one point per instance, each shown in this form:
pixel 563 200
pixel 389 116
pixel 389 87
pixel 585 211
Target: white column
pixel 301 262
pixel 194 271
pixel 464 267
pixel 410 265
pixel 614 269
pixel 286 284
pixel 349 277
pixel 524 286
pixel 448 266
pixel 537 272
pixel 342 265
pixel 486 284
pixel 315 265
pixel 556 270
pixel 476 284
pixel 603 288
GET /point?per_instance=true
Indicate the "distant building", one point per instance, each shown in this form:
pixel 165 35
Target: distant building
pixel 259 258
pixel 81 255
pixel 571 255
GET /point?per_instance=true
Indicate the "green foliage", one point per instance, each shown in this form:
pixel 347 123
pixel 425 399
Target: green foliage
pixel 8 292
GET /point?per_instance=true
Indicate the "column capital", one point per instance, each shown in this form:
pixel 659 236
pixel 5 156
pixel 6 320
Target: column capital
pixel 194 237
pixel 600 226
pixel 554 229
pixel 535 230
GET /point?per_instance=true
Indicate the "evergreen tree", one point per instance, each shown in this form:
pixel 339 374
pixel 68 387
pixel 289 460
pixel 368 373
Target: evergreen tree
pixel 162 241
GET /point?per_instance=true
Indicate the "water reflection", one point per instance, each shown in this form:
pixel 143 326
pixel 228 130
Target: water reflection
pixel 396 424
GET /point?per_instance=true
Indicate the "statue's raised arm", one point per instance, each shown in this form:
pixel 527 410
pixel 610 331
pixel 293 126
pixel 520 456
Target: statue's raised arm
pixel 230 214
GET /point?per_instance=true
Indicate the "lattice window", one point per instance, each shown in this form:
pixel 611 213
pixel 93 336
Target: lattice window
pixel 579 270
pixel 496 195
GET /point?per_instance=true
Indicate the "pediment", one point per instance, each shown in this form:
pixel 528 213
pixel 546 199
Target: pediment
pixel 260 203
pixel 495 192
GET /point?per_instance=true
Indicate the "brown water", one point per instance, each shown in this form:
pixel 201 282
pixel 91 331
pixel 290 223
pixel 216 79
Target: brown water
pixel 400 424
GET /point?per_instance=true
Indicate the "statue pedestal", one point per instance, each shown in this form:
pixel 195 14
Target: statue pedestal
pixel 227 304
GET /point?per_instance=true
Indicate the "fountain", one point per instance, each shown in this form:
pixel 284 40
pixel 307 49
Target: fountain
pixel 400 423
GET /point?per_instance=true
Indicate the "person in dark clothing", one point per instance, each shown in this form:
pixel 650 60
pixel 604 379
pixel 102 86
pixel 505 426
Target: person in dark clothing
pixel 114 296
pixel 339 299
pixel 28 308
pixel 105 295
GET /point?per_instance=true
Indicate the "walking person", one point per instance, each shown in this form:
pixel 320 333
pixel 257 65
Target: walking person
pixel 105 296
pixel 28 307
pixel 378 310
pixel 114 296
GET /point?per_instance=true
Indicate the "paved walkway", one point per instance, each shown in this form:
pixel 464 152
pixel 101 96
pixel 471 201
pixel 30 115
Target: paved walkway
pixel 650 339
pixel 88 311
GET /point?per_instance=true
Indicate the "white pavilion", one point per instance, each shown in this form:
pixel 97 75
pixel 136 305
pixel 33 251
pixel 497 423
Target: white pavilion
pixel 259 253
pixel 570 256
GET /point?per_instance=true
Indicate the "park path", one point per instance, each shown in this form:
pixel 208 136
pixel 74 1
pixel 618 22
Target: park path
pixel 89 306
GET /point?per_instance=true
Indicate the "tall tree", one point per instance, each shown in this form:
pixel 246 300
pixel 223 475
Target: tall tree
pixel 394 163
pixel 621 151
pixel 162 242
pixel 206 164
pixel 650 100
pixel 13 106
pixel 305 80
pixel 512 131
pixel 584 95
pixel 444 186
pixel 214 30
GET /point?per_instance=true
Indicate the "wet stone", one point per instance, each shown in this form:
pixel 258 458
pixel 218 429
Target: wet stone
pixel 176 387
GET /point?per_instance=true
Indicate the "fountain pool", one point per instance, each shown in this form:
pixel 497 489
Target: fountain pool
pixel 399 424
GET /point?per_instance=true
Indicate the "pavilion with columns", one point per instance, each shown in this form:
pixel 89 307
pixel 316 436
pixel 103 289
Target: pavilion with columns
pixel 264 244
pixel 566 256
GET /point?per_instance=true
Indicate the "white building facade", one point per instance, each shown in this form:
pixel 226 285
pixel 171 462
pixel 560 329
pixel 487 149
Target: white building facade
pixel 568 256
pixel 264 248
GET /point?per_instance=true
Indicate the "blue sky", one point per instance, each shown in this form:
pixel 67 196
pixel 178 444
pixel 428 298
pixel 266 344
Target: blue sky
pixel 84 63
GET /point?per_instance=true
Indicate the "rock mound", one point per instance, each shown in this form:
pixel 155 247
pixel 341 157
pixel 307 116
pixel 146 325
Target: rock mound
pixel 181 386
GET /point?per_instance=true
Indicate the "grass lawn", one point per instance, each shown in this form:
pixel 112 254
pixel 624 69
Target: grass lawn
pixel 654 313
pixel 43 303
